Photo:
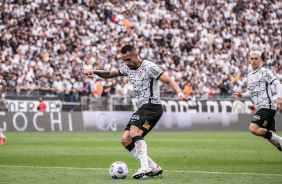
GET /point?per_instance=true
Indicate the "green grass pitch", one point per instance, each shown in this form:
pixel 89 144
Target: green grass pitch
pixel 186 157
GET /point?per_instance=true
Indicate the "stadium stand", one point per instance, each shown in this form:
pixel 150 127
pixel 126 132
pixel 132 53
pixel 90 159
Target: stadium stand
pixel 202 45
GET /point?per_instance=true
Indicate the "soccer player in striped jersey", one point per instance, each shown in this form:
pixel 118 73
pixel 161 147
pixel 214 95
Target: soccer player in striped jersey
pixel 145 76
pixel 4 85
pixel 258 89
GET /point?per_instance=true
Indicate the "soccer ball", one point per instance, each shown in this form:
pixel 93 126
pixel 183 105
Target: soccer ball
pixel 118 170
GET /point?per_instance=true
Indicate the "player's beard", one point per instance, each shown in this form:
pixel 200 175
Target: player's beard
pixel 133 66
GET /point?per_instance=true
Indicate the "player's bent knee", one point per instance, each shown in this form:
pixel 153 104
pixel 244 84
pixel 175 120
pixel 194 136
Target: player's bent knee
pixel 122 142
pixel 132 134
pixel 255 131
pixel 125 141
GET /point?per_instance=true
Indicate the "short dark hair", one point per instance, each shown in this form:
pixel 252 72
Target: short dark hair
pixel 128 48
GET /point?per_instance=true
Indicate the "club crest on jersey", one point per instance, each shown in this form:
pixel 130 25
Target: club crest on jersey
pixel 257 77
pixel 264 123
pixel 146 125
pixel 140 75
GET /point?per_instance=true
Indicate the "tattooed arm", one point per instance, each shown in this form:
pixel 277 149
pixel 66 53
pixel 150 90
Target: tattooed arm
pixel 102 73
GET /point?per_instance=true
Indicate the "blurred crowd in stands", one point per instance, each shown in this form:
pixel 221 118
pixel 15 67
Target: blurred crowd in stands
pixel 203 45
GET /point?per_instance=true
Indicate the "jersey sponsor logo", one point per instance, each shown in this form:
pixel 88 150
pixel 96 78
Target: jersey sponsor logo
pixel 264 123
pixel 146 125
pixel 256 118
pixel 257 77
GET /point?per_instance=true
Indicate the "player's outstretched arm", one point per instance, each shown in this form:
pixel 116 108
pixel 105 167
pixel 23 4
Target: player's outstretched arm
pixel 101 73
pixel 239 95
pixel 167 80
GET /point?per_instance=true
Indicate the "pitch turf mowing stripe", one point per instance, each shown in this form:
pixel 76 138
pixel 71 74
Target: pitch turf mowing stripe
pixel 52 167
pixel 200 172
pixel 208 172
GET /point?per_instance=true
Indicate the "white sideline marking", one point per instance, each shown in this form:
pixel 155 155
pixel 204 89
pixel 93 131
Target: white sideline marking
pixel 201 172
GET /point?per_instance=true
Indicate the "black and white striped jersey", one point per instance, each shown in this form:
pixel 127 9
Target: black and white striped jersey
pixel 258 84
pixel 145 82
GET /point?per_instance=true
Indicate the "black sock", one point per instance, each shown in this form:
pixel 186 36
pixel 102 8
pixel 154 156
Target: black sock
pixel 130 146
pixel 268 135
pixel 137 138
